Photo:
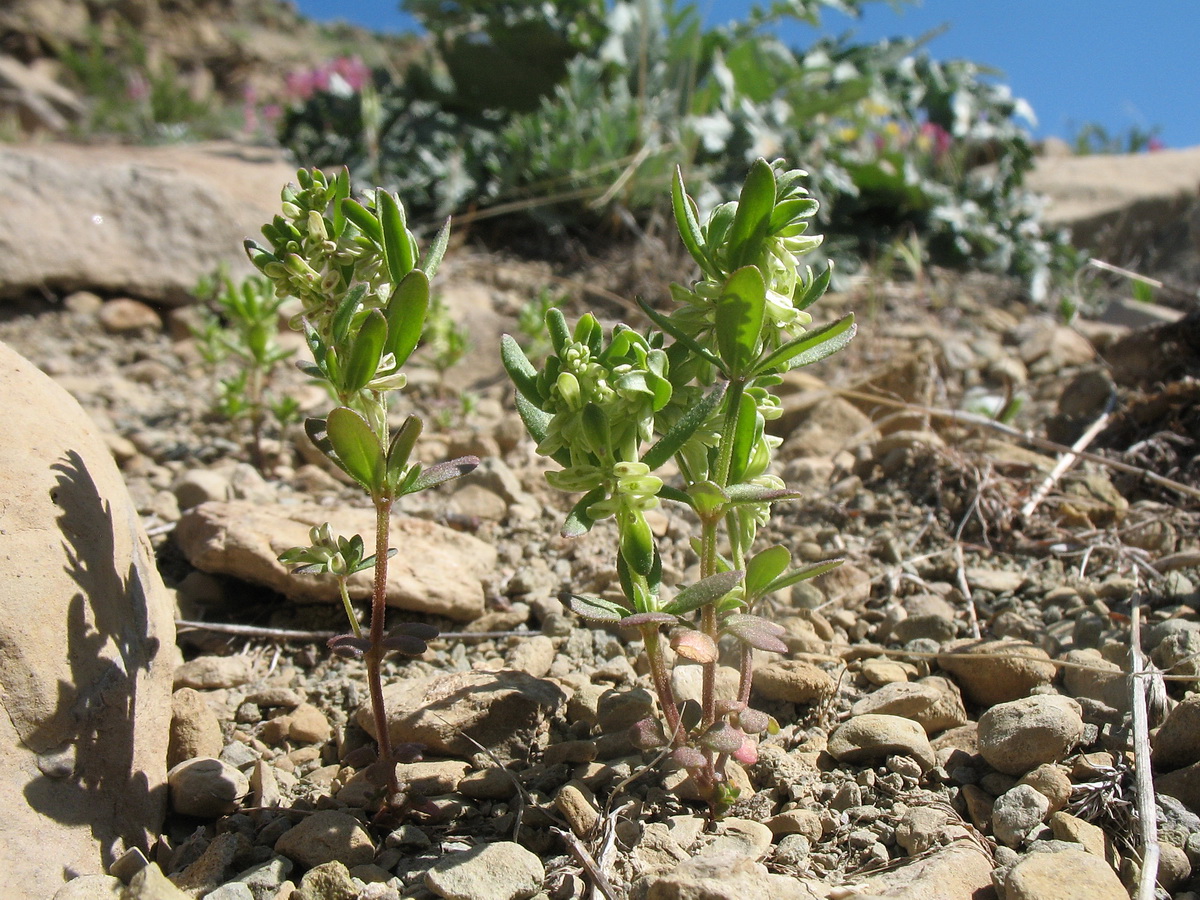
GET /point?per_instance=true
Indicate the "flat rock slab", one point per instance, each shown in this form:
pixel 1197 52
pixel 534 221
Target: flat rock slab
pixel 143 221
pixel 437 570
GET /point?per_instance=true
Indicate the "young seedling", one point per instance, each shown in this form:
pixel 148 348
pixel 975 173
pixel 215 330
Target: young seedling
pixel 244 327
pixel 354 267
pixel 612 410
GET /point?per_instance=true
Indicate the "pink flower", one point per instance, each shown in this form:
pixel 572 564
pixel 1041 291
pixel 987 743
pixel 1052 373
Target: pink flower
pixel 1155 144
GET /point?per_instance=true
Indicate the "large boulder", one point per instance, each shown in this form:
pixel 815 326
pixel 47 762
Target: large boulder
pixel 141 221
pixel 86 647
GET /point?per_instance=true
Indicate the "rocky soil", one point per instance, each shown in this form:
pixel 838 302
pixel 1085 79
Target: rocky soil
pixel 955 714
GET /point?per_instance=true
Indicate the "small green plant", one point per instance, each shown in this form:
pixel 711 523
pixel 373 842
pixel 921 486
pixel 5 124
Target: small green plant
pixel 446 341
pixel 365 297
pixel 244 327
pixel 531 324
pixel 614 409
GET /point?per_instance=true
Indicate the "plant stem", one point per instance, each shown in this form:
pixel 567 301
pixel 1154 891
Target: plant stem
pixel 348 606
pixel 662 684
pixel 374 656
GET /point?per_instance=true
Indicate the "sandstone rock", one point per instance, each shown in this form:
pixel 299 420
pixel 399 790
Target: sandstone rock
pixel 206 788
pixel 437 571
pixel 308 725
pixel 1182 784
pixel 959 871
pixel 500 871
pixel 873 738
pixel 1102 680
pixel 326 836
pixel 1067 827
pixel 721 877
pixel 143 221
pixel 123 316
pixel 792 681
pixel 501 710
pixel 1017 812
pixel 920 828
pixel 1065 875
pixel 210 673
pixel 433 776
pixel 532 655
pixel 1013 671
pixel 86 647
pixel 934 703
pixel 91 887
pixel 1052 783
pixel 195 729
pixel 1174 745
pixel 328 881
pixel 1018 736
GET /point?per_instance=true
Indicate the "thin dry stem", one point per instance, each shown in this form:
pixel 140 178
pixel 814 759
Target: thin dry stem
pixel 1143 778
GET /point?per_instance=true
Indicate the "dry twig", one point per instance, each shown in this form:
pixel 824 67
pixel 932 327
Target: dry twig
pixel 1143 780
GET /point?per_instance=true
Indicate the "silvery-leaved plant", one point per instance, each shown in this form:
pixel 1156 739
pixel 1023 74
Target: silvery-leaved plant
pixel 364 296
pixel 613 410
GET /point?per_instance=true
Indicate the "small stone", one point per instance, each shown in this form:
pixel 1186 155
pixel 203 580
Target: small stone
pixel 958 871
pixel 1174 745
pixel 499 871
pixel 1018 736
pixel 921 828
pixel 721 877
pixel 620 710
pixel 1052 783
pixel 873 738
pixel 264 786
pixel 1174 868
pixel 197 486
pixel 576 802
pixel 195 729
pixel 1017 812
pixel 881 672
pixel 933 702
pixel 308 725
pixel 265 879
pixel 91 887
pixel 151 884
pixel 326 836
pixel 532 655
pixel 83 303
pixel 1063 875
pixel 327 881
pixel 432 777
pixel 570 752
pixel 792 681
pixel 1101 680
pixel 1010 670
pixel 1067 827
pixel 230 890
pixel 796 821
pixel 123 315
pixel 488 784
pixel 209 673
pixel 206 788
pixel 740 838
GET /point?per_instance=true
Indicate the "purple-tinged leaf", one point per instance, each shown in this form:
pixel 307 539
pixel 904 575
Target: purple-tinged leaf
pixel 595 609
pixel 694 645
pixel 637 620
pixel 442 472
pixel 404 643
pixel 707 590
pixel 647 734
pixel 755 631
pixel 688 757
pixel 349 646
pixel 722 738
pixel 753 721
pixel 420 630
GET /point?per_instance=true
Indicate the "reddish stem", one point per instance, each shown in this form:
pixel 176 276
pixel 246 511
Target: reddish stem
pixel 374 656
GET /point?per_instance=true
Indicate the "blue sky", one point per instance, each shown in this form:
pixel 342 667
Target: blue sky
pixel 1112 62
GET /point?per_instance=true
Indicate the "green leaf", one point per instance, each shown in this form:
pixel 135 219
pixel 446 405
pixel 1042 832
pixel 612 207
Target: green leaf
pixel 703 592
pixel 560 334
pixel 398 249
pixel 637 542
pixel 681 432
pixel 436 250
pixel 357 447
pixel 788 211
pixel 344 314
pixel 363 219
pixel 815 290
pixel 670 328
pixel 401 449
pixel 365 352
pixel 745 436
pixel 341 190
pixel 687 223
pixel 578 522
pixel 764 567
pixel 596 609
pixel 739 319
pixel 810 347
pixel 753 216
pixel 442 472
pixel 748 492
pixel 520 369
pixel 802 574
pixel 406 312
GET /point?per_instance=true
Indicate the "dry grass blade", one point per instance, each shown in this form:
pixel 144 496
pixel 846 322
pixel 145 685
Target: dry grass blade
pixel 1143 779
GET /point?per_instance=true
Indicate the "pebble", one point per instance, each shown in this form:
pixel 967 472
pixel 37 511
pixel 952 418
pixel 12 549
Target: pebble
pixel 327 881
pixel 123 315
pixel 793 681
pixel 308 725
pixel 1020 735
pixel 432 777
pixel 195 728
pixel 796 821
pixel 872 738
pixel 920 828
pixel 1062 875
pixel 1012 672
pixel 265 879
pixel 532 655
pixel 1102 680
pixel 577 803
pixel 1017 812
pixel 326 836
pixel 934 703
pixel 207 673
pixel 197 486
pixel 1174 745
pixel 620 710
pixel 1051 782
pixel 499 871
pixel 231 890
pixel 206 788
pixel 1067 827
pixel 91 887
